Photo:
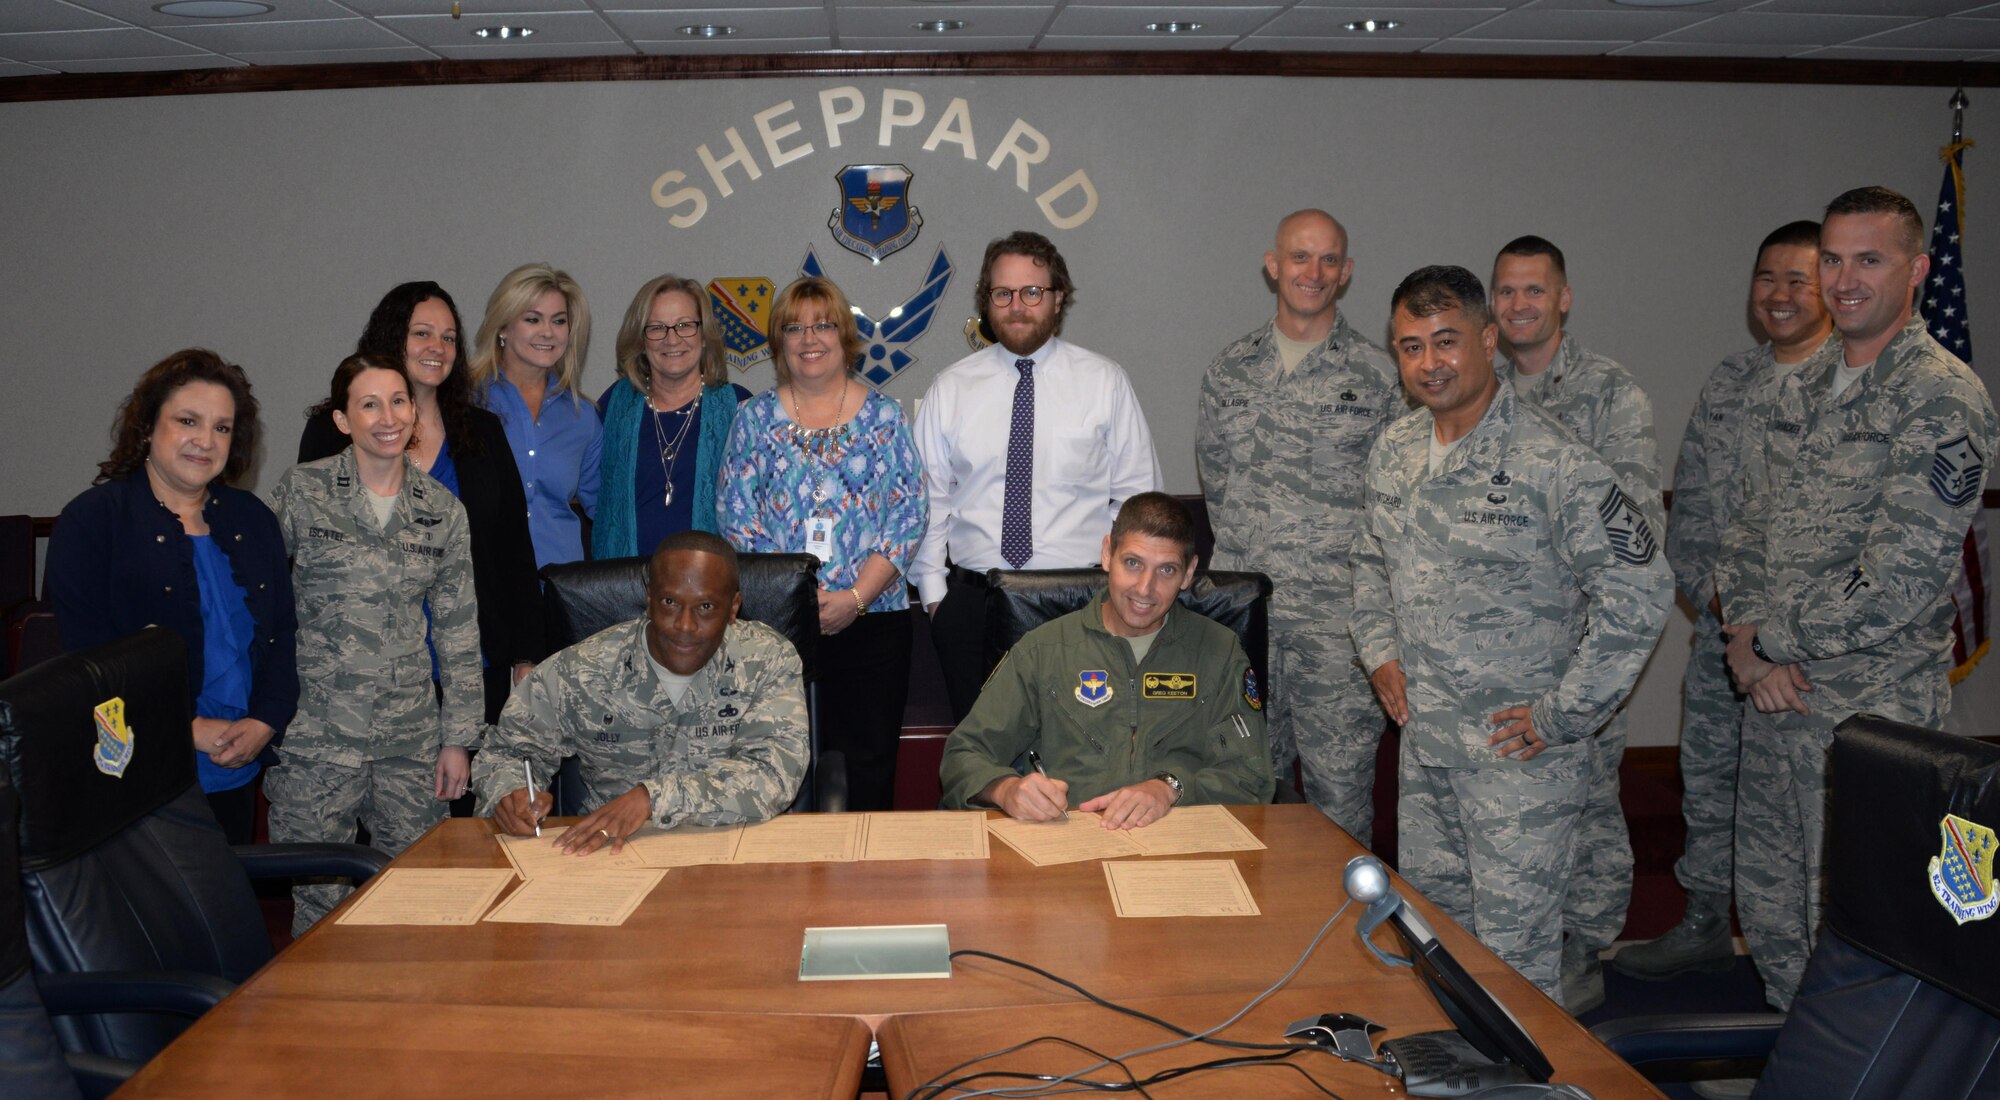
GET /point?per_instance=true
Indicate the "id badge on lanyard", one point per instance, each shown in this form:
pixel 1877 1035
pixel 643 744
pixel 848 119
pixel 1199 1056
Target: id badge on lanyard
pixel 819 537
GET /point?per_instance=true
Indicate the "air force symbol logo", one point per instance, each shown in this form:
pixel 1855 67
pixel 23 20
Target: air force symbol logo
pixel 1962 873
pixel 1955 471
pixel 885 352
pixel 742 308
pixel 874 217
pixel 1093 688
pixel 1631 540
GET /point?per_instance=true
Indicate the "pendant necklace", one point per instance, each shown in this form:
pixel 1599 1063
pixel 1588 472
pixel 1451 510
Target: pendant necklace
pixel 820 442
pixel 671 452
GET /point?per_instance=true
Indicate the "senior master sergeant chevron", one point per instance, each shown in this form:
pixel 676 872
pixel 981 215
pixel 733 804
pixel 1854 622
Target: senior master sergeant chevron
pixel 686 716
pixel 1507 591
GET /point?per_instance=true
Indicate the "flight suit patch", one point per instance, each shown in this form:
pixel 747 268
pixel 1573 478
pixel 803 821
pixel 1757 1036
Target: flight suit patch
pixel 1093 687
pixel 1167 685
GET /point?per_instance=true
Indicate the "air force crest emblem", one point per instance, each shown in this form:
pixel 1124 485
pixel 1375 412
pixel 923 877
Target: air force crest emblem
pixel 1962 873
pixel 742 308
pixel 1631 539
pixel 885 351
pixel 874 217
pixel 113 752
pixel 1955 471
pixel 1093 688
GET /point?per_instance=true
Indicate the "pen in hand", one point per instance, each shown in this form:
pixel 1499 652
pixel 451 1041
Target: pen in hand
pixel 1035 762
pixel 528 770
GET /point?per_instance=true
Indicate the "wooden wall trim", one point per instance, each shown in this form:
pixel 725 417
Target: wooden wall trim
pixel 287 78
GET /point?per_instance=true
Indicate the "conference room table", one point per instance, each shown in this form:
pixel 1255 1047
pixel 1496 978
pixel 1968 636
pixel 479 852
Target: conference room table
pixel 698 993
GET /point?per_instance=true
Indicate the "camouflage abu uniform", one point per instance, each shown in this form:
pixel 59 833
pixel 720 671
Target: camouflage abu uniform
pixel 365 742
pixel 1522 574
pixel 1280 457
pixel 1602 403
pixel 731 752
pixel 1707 491
pixel 1842 554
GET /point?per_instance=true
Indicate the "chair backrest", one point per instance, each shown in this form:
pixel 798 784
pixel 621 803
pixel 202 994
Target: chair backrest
pixel 17 561
pixel 1019 601
pixel 1902 994
pixel 31 1061
pixel 122 865
pixel 779 590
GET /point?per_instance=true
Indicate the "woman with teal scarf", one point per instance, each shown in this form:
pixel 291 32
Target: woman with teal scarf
pixel 666 421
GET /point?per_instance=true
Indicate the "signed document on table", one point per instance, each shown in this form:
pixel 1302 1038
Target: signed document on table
pixel 428 895
pixel 1179 888
pixel 1184 830
pixel 803 838
pixel 537 857
pixel 928 834
pixel 600 896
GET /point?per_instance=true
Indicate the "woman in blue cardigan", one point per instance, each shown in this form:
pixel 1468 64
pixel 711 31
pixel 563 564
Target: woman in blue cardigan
pixel 666 421
pixel 163 538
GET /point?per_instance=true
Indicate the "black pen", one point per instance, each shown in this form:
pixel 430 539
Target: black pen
pixel 1035 762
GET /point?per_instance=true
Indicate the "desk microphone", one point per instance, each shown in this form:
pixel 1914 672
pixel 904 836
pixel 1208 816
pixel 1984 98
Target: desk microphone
pixel 1367 882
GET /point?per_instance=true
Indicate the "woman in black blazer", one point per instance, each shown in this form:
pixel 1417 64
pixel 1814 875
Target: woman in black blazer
pixel 463 446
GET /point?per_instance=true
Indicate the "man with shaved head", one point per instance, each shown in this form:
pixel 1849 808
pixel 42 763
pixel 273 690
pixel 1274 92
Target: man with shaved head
pixel 1287 416
pixel 686 715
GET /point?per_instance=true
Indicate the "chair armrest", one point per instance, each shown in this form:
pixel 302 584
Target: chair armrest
pixel 830 782
pixel 267 861
pixel 171 992
pixel 98 1075
pixel 1691 1037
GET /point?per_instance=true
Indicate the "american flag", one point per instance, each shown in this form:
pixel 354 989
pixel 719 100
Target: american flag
pixel 1944 309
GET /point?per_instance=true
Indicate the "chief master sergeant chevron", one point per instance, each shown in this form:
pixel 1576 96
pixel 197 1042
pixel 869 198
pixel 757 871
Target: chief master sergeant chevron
pixel 1835 571
pixel 1133 703
pixel 1507 591
pixel 685 716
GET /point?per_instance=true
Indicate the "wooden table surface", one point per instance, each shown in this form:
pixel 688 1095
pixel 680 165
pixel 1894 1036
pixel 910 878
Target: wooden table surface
pixel 725 940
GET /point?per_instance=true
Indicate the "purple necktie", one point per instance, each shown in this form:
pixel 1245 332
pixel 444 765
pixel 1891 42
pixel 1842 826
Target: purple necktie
pixel 1017 515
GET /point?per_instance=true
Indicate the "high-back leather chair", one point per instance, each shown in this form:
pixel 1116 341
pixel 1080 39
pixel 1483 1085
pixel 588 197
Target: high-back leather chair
pixel 1901 997
pixel 779 590
pixel 123 867
pixel 31 1062
pixel 1018 601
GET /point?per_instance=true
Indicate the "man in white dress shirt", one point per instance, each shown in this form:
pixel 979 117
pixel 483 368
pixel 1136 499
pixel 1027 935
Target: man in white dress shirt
pixel 1029 447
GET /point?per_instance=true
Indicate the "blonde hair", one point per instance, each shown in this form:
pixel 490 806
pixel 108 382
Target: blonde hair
pixel 632 332
pixel 517 291
pixel 791 304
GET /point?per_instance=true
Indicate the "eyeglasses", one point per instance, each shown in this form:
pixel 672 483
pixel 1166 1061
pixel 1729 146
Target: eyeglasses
pixel 818 328
pixel 1030 295
pixel 657 331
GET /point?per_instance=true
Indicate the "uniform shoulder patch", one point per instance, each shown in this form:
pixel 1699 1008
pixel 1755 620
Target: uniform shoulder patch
pixel 1250 694
pixel 1631 538
pixel 1962 874
pixel 1167 685
pixel 1956 469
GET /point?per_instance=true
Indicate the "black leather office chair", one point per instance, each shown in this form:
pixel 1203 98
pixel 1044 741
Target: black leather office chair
pixel 1901 997
pixel 123 868
pixel 779 590
pixel 1019 601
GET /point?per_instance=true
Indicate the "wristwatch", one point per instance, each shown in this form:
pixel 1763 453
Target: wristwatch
pixel 1757 647
pixel 1172 781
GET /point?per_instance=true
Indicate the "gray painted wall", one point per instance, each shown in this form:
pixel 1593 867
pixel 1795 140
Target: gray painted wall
pixel 266 225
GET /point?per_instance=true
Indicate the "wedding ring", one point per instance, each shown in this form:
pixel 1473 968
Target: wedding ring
pixel 605 833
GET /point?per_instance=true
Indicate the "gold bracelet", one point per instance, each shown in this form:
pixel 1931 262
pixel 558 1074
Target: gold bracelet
pixel 860 605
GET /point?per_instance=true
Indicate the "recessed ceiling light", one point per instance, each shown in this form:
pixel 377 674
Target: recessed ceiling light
pixel 1173 28
pixel 708 30
pixel 503 32
pixel 212 9
pixel 1370 26
pixel 939 26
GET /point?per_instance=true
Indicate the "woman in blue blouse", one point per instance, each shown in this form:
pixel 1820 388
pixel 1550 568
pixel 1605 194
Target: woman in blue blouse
pixel 163 538
pixel 527 363
pixel 824 465
pixel 666 421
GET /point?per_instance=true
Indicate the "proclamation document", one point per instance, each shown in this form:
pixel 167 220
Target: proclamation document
pixel 1082 837
pixel 600 896
pixel 928 834
pixel 537 857
pixel 687 846
pixel 803 838
pixel 428 895
pixel 1179 888
pixel 1189 829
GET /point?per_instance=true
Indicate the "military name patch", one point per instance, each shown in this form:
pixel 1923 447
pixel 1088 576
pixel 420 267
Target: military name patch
pixel 326 533
pixel 1250 694
pixel 1167 685
pixel 1093 688
pixel 1631 538
pixel 1786 427
pixel 1962 873
pixel 113 751
pixel 1390 499
pixel 1955 471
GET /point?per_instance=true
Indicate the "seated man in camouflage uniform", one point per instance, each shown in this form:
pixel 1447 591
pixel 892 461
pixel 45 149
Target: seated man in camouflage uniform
pixel 686 716
pixel 1131 708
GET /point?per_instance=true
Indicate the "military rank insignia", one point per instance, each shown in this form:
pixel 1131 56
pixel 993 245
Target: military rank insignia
pixel 742 308
pixel 1955 471
pixel 1962 873
pixel 1167 685
pixel 114 739
pixel 1093 688
pixel 1250 694
pixel 1631 539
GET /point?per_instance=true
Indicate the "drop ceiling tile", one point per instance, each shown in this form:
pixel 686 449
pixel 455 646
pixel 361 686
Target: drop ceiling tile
pixel 1215 22
pixel 1138 42
pixel 337 57
pixel 141 12
pixel 315 34
pixel 15 68
pixel 1599 26
pixel 1863 53
pixel 1820 30
pixel 473 9
pixel 1526 47
pixel 762 23
pixel 1961 35
pixel 736 44
pixel 1712 7
pixel 962 41
pixel 1373 43
pixel 1432 23
pixel 1867 7
pixel 147 64
pixel 443 30
pixel 1710 49
pixel 20 17
pixel 500 50
pixel 980 20
pixel 88 45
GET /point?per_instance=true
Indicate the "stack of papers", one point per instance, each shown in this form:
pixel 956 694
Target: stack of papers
pixel 1185 830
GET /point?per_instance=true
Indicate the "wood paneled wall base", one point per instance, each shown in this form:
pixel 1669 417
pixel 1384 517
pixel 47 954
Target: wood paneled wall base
pixel 288 78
